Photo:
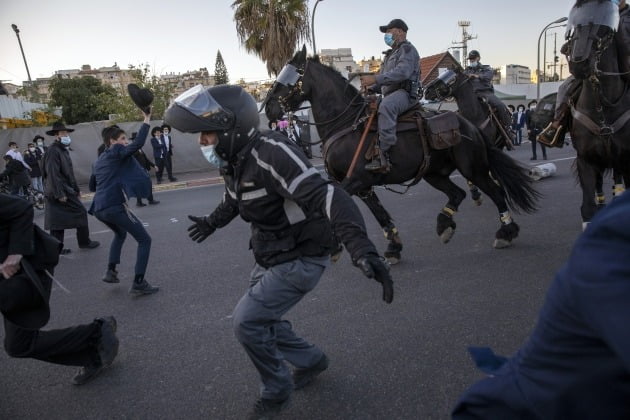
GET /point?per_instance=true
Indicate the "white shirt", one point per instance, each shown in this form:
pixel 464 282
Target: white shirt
pixel 16 155
pixel 167 141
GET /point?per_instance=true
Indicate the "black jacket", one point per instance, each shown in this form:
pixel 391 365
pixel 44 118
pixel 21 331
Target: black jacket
pixel 17 173
pixel 290 206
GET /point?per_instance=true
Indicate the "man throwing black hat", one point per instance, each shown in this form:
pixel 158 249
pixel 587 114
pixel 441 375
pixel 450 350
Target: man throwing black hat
pixel 399 82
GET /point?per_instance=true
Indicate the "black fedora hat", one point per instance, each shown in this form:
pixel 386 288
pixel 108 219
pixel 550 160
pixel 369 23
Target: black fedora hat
pixel 57 127
pixel 24 301
pixel 142 97
pixel 395 23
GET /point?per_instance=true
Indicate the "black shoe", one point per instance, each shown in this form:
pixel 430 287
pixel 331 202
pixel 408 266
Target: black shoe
pixel 532 158
pixel 87 373
pixel 380 163
pixel 304 376
pixel 140 204
pixel 172 179
pixel 91 245
pixel 266 409
pixel 107 348
pixel 158 182
pixel 144 288
pixel 111 276
pixel 65 251
pixel 154 202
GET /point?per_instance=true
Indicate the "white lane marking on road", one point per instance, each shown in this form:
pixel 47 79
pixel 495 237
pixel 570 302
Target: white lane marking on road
pixel 174 220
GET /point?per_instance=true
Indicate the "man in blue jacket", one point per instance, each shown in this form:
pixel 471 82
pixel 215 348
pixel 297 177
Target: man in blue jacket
pixel 576 363
pixel 117 175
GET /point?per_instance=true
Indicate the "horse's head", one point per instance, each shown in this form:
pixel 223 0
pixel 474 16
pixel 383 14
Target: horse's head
pixel 590 30
pixel 444 86
pixel 287 92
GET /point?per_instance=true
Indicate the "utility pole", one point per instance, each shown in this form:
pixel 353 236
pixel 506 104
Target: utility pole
pixel 463 44
pixel 17 33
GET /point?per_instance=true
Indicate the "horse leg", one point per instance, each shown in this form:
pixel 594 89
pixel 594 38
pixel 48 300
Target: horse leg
pixel 619 185
pixel 600 197
pixel 587 175
pixel 509 229
pixel 475 194
pixel 445 223
pixel 394 247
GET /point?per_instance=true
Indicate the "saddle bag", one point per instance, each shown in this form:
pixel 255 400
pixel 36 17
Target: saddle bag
pixel 443 130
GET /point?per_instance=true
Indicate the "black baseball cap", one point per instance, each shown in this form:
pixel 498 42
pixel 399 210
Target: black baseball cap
pixel 395 23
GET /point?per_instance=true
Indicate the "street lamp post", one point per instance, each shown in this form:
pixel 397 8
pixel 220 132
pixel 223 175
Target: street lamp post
pixel 17 33
pixel 562 19
pixel 313 26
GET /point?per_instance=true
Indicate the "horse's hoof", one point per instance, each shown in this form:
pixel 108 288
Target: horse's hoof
pixel 335 257
pixel 501 243
pixel 446 236
pixel 392 259
pixel 478 201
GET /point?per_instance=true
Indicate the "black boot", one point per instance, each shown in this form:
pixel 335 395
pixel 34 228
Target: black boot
pixel 379 163
pixel 553 134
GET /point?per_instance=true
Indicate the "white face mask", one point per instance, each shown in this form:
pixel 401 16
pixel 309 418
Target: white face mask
pixel 211 156
pixel 40 143
pixel 32 149
pixel 65 140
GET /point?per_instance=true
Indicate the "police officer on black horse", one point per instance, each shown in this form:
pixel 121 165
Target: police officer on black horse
pixel 292 210
pixel 481 78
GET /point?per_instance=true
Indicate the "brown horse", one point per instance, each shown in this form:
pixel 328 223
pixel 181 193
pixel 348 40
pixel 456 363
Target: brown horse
pixel 339 111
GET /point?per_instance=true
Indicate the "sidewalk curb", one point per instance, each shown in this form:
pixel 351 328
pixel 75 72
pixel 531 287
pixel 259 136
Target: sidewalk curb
pixel 174 185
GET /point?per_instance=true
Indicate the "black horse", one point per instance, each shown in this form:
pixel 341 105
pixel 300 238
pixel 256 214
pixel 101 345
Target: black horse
pixel 599 129
pixel 453 83
pixel 339 111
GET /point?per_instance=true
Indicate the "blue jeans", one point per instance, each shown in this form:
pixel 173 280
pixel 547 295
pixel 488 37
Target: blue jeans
pixel 121 220
pixel 258 325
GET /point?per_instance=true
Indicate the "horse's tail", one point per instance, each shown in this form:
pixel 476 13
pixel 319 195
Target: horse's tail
pixel 520 193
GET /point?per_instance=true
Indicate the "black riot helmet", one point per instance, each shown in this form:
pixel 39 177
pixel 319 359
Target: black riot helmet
pixel 225 109
pixel 473 54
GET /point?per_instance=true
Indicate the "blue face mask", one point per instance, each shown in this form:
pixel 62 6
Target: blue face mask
pixel 211 156
pixel 65 140
pixel 389 39
pixel 474 63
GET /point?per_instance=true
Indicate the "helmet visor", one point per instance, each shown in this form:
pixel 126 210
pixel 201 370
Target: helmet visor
pixel 595 13
pixel 288 76
pixel 199 102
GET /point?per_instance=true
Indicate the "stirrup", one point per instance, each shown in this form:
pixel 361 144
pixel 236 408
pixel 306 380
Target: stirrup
pixel 551 137
pixel 380 163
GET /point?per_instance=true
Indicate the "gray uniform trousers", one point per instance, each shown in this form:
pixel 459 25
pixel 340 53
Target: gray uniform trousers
pixel 258 325
pixel 499 106
pixel 390 108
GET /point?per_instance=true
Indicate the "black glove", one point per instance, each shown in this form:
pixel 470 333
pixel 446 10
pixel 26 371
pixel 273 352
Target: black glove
pixel 201 229
pixel 375 267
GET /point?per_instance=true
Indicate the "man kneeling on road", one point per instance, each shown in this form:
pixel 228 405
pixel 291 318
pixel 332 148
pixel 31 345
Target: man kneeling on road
pixel 292 210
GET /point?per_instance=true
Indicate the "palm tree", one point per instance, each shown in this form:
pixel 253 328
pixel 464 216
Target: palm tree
pixel 272 29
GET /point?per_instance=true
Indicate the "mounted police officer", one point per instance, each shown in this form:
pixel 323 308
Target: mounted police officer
pixel 553 134
pixel 399 82
pixel 292 210
pixel 481 78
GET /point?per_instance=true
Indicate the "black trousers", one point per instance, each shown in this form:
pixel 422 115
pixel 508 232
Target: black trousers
pixel 168 164
pixel 72 346
pixel 83 235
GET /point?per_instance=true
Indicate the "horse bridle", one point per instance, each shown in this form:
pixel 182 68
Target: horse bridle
pixel 295 88
pixel 451 87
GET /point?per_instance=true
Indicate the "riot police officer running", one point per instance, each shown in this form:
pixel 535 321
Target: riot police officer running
pixel 292 210
pixel 481 78
pixel 399 82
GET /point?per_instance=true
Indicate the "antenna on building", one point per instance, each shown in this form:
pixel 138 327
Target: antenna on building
pixel 463 44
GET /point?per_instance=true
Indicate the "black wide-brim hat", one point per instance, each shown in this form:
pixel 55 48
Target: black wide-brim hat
pixel 57 127
pixel 142 97
pixel 28 305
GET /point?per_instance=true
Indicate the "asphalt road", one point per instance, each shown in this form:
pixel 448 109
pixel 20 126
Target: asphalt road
pixel 179 358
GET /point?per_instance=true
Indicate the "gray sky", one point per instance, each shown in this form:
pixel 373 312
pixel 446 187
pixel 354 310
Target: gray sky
pixel 181 35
